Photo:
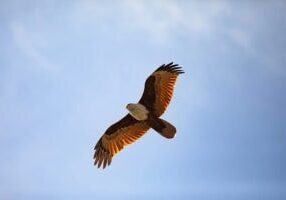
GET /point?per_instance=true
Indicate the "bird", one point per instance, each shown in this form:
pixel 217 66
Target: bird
pixel 157 94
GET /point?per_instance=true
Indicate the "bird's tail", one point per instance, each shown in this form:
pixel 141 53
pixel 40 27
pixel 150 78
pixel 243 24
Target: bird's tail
pixel 163 127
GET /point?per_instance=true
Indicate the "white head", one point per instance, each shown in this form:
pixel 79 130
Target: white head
pixel 138 111
pixel 131 107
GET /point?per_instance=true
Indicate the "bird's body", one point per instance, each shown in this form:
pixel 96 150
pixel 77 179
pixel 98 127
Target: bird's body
pixel 142 116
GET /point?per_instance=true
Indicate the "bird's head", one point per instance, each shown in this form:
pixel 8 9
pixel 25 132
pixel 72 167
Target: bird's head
pixel 130 106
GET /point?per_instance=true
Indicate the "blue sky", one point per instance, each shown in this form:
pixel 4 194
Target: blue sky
pixel 68 68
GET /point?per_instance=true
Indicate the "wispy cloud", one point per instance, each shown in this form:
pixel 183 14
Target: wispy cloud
pixel 159 20
pixel 234 25
pixel 29 45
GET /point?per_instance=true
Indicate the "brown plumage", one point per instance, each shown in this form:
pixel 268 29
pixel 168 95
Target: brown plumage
pixel 159 88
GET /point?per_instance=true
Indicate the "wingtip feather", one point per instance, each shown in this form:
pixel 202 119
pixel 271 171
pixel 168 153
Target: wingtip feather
pixel 172 68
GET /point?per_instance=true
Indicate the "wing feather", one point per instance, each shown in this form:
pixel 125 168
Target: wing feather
pixel 159 88
pixel 119 135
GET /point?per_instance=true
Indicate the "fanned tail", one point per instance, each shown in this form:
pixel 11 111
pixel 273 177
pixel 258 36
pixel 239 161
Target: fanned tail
pixel 162 127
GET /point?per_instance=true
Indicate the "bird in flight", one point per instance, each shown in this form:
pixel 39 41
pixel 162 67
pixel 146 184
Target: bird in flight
pixel 142 116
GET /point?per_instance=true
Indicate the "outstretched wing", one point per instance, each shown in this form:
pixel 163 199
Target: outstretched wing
pixel 116 137
pixel 159 88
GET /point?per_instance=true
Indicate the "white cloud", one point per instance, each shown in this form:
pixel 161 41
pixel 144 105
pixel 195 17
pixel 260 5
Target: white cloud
pixel 229 24
pixel 242 39
pixel 159 20
pixel 29 44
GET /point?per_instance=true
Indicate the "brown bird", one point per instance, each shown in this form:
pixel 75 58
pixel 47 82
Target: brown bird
pixel 145 114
